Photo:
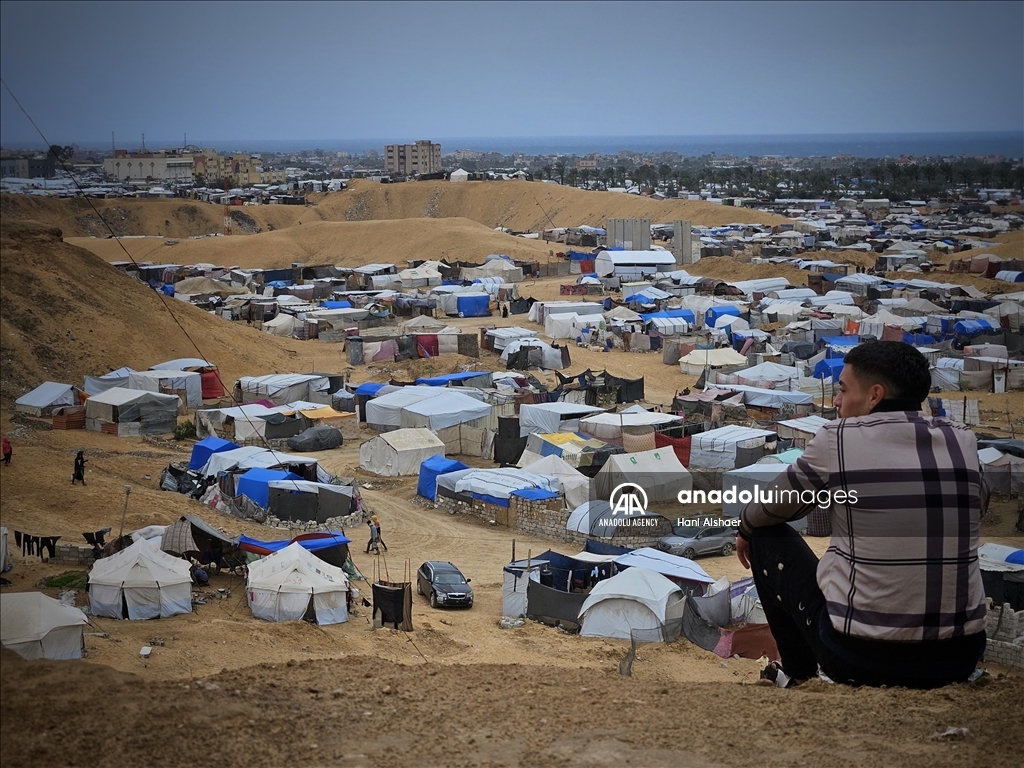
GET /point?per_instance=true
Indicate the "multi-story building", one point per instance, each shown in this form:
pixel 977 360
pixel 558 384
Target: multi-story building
pixel 412 159
pixel 37 166
pixel 191 164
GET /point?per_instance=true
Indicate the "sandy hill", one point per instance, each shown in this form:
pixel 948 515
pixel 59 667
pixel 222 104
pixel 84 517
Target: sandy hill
pixel 518 205
pixel 331 242
pixel 65 313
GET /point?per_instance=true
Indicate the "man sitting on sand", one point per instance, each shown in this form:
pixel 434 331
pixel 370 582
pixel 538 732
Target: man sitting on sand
pixel 897 598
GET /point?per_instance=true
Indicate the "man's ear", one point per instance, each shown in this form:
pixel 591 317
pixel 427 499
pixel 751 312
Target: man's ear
pixel 877 394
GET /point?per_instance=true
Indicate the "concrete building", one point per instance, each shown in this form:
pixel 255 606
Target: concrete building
pixel 412 159
pixel 190 164
pixel 37 166
pixel 165 166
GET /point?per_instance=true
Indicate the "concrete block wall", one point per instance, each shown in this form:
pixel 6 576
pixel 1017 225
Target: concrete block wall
pixel 72 554
pixel 1005 630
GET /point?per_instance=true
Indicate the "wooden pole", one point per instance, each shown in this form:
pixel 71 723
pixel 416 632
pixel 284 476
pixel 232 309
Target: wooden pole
pixel 124 513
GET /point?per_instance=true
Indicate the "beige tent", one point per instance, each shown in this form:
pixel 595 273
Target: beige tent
pixel 399 452
pixel 658 472
pixel 694 363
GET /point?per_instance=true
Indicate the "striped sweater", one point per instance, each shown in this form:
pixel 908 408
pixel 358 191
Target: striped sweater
pixel 905 496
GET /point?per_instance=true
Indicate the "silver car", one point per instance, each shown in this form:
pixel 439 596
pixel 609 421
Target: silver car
pixel 689 542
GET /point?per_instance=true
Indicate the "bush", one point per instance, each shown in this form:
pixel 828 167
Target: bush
pixel 186 430
pixel 67 580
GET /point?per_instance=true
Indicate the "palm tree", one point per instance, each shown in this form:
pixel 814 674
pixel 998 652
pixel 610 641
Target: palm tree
pixel 547 171
pixel 560 170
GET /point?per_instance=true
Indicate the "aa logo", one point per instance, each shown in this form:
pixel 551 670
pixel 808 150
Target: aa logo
pixel 628 500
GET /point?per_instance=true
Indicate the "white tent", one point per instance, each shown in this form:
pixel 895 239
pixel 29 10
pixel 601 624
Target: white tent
pixel 280 586
pixel 515 580
pixel 575 485
pixel 635 599
pixel 5 553
pixel 151 583
pixel 36 626
pixel 386 410
pixel 546 418
pixel 399 452
pixel 458 175
pixel 658 472
pixel 186 384
pixel 49 394
pixel 567 325
pixel 255 456
pixel 282 325
pixel 716 448
pixel 693 364
pixel 665 563
pixel 502 336
pixel 609 426
pixel 449 408
pixel 284 388
pixel 633 265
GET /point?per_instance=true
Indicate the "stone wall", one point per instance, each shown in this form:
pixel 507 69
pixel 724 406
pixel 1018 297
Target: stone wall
pixel 547 519
pixel 1005 630
pixel 72 554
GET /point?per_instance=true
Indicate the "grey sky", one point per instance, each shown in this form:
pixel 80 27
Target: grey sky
pixel 251 71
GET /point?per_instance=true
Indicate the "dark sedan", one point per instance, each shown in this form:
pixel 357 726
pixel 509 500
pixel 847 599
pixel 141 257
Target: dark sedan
pixel 444 585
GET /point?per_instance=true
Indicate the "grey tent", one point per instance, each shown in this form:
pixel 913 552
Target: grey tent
pixel 321 438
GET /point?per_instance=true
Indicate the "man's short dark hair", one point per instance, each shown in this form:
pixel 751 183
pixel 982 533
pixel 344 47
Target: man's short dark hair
pixel 898 367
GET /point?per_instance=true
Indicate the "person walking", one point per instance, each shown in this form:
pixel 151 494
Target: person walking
pixel 79 473
pixel 380 539
pixel 7 450
pixel 374 542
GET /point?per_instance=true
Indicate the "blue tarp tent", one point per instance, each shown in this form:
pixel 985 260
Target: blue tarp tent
pixel 714 313
pixel 446 379
pixel 473 305
pixel 918 339
pixel 253 484
pixel 838 346
pixel 972 326
pixel 829 368
pixel 369 388
pixel 328 304
pixel 684 314
pixel 205 448
pixel 436 465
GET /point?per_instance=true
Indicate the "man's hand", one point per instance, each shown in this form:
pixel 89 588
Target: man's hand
pixel 743 551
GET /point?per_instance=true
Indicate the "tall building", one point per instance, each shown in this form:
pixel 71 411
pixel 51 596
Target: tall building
pixel 412 159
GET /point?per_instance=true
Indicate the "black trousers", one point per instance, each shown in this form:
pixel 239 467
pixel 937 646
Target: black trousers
pixel 785 574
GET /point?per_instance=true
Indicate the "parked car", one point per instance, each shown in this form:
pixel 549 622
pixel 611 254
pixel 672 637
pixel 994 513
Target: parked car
pixel 689 542
pixel 443 584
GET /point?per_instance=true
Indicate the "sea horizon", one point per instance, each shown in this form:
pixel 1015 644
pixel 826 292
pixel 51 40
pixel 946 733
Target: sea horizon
pixel 1009 144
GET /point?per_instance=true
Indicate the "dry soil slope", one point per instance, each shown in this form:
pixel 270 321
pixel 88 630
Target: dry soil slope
pixel 65 313
pixel 330 242
pixel 519 205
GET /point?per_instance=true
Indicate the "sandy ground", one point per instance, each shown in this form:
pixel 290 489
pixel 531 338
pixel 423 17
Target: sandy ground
pixel 457 690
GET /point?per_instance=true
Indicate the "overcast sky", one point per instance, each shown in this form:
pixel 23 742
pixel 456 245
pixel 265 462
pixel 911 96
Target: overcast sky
pixel 294 71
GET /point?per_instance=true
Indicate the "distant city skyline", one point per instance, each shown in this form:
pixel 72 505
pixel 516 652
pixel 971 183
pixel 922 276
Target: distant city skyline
pixel 398 72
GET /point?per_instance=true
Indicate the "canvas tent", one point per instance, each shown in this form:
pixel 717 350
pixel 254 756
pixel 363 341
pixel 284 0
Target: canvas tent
pixel 35 626
pixel 718 448
pixel 610 426
pixel 658 472
pixel 634 599
pixel 292 582
pixel 546 418
pixel 694 363
pixel 134 411
pixel 282 388
pixel 633 265
pixel 185 384
pixel 117 378
pixel 399 452
pixel 575 486
pixel 212 387
pixel 140 582
pixel 48 395
pixel 679 569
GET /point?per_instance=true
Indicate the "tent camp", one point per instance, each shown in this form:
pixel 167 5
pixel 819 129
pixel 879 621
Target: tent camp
pixel 185 384
pixel 140 582
pixel 399 452
pixel 36 626
pixel 634 599
pixel 658 472
pixel 292 584
pixel 48 395
pixel 134 412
